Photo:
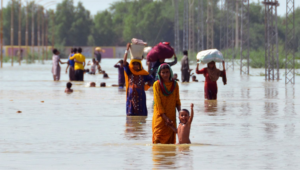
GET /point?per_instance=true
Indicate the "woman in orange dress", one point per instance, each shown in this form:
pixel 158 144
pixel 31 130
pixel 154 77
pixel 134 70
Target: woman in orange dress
pixel 166 101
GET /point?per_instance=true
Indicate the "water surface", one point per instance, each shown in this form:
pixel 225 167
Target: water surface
pixel 253 125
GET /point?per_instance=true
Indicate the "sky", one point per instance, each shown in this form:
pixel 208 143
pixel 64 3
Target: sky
pixel 100 5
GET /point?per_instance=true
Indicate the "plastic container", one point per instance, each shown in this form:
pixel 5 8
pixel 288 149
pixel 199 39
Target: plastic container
pixel 136 51
pixel 207 56
pixel 162 50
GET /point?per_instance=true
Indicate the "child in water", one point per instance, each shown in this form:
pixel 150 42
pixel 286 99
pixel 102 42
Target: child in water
pixel 184 126
pixel 175 76
pixel 120 67
pixel 92 84
pixel 68 89
pixel 102 84
pixel 194 79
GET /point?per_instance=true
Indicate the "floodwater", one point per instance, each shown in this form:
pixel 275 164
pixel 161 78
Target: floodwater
pixel 253 125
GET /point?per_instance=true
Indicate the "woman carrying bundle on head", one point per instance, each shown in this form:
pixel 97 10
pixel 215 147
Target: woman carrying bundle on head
pixel 137 80
pixel 166 101
pixel 211 74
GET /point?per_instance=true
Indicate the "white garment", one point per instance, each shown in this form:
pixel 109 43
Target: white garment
pixel 93 68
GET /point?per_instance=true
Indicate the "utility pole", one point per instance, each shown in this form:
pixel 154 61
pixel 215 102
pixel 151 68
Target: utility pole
pixel 176 28
pixel 12 32
pixel 38 33
pixel 210 25
pixel 46 34
pixel 19 33
pixel 237 23
pixel 1 34
pixel 43 32
pixel 191 26
pixel 200 26
pixel 26 35
pixel 245 38
pixel 230 47
pixel 271 40
pixel 52 30
pixel 185 25
pixel 32 34
pixel 290 42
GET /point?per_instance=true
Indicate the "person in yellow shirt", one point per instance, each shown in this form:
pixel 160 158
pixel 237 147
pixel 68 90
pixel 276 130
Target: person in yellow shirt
pixel 79 65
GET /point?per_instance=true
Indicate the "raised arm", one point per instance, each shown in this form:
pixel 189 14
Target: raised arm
pixel 174 62
pixel 192 114
pixel 202 71
pixel 125 55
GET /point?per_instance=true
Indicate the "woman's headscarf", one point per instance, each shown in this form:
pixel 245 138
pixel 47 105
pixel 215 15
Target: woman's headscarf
pixel 215 73
pixel 162 85
pixel 142 72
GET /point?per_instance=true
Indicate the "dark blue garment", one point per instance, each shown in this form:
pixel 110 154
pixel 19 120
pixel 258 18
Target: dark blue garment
pixel 136 96
pixel 71 62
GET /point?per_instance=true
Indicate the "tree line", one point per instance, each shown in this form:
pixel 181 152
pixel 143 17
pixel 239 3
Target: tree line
pixel 150 20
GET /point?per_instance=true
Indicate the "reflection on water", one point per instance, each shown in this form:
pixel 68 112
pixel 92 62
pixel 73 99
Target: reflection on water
pixel 135 127
pixel 253 125
pixel 172 156
pixel 164 156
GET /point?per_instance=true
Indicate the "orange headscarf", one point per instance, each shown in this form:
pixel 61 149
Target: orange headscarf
pixel 142 72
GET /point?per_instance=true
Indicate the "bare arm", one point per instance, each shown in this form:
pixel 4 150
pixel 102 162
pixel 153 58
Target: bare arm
pixel 125 55
pixel 223 65
pixel 62 62
pixel 67 68
pixel 192 113
pixel 173 128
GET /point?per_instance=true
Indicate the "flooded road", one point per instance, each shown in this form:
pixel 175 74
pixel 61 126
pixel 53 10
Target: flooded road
pixel 253 125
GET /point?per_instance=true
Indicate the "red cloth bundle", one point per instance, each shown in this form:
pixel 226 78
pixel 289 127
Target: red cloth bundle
pixel 162 50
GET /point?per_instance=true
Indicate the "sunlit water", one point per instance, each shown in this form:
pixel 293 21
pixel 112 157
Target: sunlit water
pixel 253 125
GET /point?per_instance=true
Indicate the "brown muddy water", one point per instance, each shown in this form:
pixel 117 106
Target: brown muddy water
pixel 253 125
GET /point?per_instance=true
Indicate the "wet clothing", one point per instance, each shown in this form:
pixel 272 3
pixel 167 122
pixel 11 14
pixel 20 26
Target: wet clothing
pixel 166 99
pixel 121 75
pixel 56 67
pixel 154 67
pixel 71 62
pixel 79 75
pixel 80 58
pixel 135 90
pixel 98 56
pixel 164 104
pixel 71 68
pixel 185 67
pixel 210 87
pixel 71 73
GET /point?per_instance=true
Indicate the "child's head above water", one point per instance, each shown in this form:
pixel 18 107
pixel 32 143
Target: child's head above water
pixel 184 116
pixel 102 84
pixel 92 84
pixel 75 50
pixel 194 77
pixel 69 85
pixel 175 76
pixel 105 75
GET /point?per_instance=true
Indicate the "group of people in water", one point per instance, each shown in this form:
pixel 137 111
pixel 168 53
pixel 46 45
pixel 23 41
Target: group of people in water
pixel 166 101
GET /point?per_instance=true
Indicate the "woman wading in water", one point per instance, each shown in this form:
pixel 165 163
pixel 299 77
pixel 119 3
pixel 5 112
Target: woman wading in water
pixel 166 101
pixel 136 79
pixel 212 74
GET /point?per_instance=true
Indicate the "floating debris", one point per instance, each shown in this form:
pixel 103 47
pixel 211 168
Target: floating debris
pixel 19 111
pixel 42 101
